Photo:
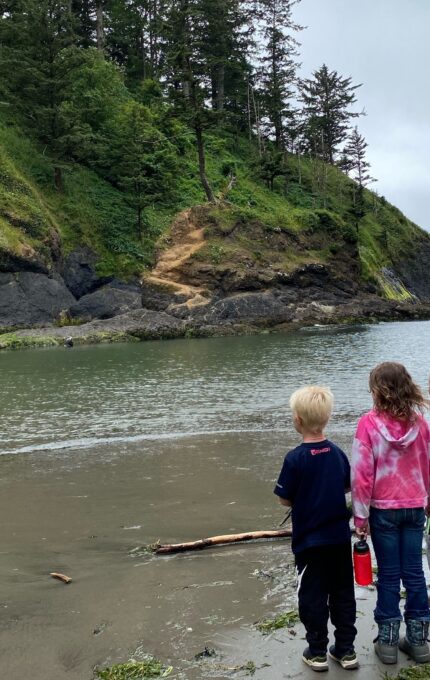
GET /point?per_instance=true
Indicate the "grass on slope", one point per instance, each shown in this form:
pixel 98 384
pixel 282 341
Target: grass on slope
pixel 89 211
pixel 314 203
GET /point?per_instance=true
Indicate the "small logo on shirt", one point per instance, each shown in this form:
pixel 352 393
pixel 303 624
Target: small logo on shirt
pixel 316 452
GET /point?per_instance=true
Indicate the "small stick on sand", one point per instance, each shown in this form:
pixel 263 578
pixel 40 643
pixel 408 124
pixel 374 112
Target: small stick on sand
pixel 61 577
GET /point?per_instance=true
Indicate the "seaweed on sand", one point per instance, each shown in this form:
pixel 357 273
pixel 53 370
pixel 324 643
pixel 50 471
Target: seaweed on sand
pixel 412 673
pixel 286 620
pixel 135 670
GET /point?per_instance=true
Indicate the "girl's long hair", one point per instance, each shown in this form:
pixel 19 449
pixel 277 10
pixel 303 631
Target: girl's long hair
pixel 395 393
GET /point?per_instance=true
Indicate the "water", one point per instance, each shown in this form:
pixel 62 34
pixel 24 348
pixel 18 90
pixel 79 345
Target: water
pixel 109 448
pixel 94 395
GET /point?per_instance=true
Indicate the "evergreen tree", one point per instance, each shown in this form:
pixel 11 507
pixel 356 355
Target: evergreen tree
pixel 84 19
pixel 139 159
pixel 327 98
pixel 186 73
pixel 135 37
pixel 279 65
pixel 225 40
pixel 354 156
pixel 90 100
pixel 34 37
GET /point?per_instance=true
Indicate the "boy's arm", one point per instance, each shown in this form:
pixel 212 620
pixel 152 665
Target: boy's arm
pixel 347 473
pixel 285 501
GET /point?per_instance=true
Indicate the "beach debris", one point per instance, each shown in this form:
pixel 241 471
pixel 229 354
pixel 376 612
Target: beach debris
pixel 286 518
pixel 412 673
pixel 285 620
pixel 98 630
pixel 135 670
pixel 226 539
pixel 205 654
pixel 249 668
pixel 60 577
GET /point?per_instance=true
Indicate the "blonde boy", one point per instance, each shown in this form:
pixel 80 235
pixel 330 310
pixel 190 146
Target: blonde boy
pixel 313 480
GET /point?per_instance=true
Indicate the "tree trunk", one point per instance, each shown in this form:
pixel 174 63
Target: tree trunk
pixel 249 112
pixel 100 26
pixel 220 540
pixel 58 178
pixel 202 162
pixel 186 89
pixel 139 221
pixel 220 87
pixel 199 134
pixel 213 89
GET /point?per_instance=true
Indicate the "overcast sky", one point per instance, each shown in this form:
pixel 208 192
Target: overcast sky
pixel 384 44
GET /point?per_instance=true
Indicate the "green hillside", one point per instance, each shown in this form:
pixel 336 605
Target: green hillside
pixel 39 223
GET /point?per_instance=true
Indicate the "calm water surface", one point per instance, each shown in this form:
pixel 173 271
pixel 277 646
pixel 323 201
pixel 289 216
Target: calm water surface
pixel 87 396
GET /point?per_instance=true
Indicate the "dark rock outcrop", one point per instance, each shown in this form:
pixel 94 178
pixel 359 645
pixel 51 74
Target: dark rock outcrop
pixel 106 302
pixel 28 298
pixel 14 263
pixel 79 272
pixel 414 270
pixel 159 298
pixel 252 308
pixel 143 324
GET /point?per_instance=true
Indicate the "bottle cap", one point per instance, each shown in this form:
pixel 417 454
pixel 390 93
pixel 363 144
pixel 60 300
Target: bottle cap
pixel 361 547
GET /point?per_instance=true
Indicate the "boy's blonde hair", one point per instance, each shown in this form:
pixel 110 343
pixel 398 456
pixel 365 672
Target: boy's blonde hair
pixel 313 405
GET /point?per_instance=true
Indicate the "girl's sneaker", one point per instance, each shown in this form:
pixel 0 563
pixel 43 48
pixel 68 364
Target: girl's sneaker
pixel 317 663
pixel 348 661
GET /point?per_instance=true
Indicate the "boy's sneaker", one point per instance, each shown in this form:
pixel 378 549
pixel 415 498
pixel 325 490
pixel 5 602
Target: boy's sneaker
pixel 317 663
pixel 348 661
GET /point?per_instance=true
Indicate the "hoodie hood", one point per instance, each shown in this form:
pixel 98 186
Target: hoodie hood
pixel 398 433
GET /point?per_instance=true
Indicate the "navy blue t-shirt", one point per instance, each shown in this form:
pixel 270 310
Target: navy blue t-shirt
pixel 314 478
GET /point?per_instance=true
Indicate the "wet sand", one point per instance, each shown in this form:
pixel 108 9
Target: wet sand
pixel 86 514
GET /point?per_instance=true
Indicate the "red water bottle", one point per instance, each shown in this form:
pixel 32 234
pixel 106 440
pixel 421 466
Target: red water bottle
pixel 362 563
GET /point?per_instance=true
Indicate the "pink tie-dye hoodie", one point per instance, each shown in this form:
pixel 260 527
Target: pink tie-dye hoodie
pixel 390 465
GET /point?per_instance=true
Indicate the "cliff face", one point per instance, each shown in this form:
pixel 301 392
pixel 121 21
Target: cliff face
pixel 261 259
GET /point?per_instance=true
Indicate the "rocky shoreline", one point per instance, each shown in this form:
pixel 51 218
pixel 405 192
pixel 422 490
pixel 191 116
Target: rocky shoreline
pixel 185 297
pixel 243 313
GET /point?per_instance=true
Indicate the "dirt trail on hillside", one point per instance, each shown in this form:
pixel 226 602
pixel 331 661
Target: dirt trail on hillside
pixel 186 239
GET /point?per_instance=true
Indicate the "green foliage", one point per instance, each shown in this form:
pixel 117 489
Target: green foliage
pixel 216 253
pixel 135 670
pixel 139 159
pixel 286 620
pixel 91 98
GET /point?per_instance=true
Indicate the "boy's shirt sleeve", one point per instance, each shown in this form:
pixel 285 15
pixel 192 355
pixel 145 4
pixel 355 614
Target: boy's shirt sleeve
pixel 362 474
pixel 287 482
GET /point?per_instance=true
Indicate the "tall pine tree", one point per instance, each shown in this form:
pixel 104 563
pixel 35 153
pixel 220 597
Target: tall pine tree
pixel 187 73
pixel 354 155
pixel 327 98
pixel 279 64
pixel 34 36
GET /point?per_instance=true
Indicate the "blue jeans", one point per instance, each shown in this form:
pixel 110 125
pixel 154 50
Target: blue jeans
pixel 397 537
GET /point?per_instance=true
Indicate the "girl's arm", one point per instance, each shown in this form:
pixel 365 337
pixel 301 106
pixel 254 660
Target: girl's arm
pixel 362 479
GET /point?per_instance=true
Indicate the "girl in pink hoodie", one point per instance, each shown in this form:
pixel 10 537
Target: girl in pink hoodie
pixel 390 478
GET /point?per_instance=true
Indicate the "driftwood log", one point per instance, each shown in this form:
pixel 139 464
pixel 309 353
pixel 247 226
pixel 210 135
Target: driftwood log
pixel 220 540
